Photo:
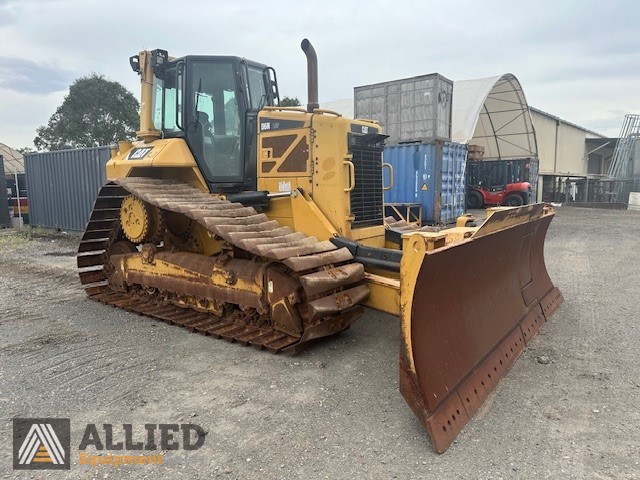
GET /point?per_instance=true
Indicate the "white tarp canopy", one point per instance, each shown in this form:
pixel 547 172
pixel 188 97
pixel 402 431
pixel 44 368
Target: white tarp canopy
pixel 13 161
pixel 493 112
pixel 343 106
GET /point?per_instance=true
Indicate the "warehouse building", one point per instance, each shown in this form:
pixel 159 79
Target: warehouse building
pixel 569 155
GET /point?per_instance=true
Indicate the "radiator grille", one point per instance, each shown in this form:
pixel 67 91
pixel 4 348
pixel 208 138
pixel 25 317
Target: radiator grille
pixel 367 196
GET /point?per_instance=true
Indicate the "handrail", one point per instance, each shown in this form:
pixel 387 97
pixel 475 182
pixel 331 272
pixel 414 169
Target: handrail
pixel 352 175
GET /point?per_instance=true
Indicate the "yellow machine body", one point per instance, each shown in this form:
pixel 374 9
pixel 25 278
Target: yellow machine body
pixel 469 298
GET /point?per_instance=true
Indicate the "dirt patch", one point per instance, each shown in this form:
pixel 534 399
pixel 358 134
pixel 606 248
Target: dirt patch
pixel 334 411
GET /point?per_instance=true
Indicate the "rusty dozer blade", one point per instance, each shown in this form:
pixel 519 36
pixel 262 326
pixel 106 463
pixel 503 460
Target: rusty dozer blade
pixel 468 310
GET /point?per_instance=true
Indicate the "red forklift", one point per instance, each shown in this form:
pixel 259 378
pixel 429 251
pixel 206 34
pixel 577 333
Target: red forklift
pixel 501 182
pixel 511 194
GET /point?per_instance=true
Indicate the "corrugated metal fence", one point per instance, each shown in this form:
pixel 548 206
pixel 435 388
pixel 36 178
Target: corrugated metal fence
pixel 63 185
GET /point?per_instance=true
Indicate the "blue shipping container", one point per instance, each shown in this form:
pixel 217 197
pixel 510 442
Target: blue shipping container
pixel 431 174
pixel 63 185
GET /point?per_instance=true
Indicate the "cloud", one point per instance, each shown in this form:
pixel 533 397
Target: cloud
pixel 22 75
pixel 7 15
pixel 576 60
pixel 22 113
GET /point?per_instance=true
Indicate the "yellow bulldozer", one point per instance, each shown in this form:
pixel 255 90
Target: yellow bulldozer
pixel 235 217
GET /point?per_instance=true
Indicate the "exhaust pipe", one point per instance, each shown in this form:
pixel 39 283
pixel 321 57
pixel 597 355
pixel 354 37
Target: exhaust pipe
pixel 312 75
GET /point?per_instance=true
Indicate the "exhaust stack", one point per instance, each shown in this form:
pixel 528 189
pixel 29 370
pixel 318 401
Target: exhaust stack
pixel 312 75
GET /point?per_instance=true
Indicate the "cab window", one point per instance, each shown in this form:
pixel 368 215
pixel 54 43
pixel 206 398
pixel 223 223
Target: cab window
pixel 257 90
pixel 215 136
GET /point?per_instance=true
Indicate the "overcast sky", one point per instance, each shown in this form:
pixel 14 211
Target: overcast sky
pixel 579 60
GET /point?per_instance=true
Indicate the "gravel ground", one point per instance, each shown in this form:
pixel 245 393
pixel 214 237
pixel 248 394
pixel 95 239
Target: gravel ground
pixel 333 411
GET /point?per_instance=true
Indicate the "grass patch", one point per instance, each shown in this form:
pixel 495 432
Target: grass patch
pixel 13 239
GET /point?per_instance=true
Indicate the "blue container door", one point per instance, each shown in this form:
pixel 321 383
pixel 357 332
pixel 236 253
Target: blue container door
pixel 452 197
pixel 414 179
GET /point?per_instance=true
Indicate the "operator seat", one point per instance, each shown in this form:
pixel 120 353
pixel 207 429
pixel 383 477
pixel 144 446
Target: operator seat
pixel 205 124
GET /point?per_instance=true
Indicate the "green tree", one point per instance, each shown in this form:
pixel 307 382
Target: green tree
pixel 289 102
pixel 95 112
pixel 25 150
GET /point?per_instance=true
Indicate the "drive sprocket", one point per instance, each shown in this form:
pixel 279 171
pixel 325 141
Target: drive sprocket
pixel 140 221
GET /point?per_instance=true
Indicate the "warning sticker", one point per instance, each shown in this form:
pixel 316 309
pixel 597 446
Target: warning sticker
pixel 424 187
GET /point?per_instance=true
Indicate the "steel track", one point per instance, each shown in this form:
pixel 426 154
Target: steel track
pixel 332 295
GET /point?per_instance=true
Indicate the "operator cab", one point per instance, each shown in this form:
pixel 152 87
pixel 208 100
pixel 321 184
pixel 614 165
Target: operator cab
pixel 212 102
